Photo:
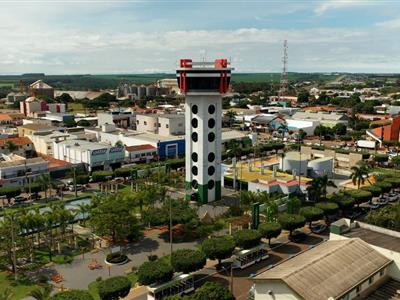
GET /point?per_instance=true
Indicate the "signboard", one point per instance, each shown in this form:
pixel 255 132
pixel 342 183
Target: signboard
pixel 255 215
pixel 99 151
pixel 116 149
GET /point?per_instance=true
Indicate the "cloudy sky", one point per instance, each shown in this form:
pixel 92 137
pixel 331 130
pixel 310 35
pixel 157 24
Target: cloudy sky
pixel 99 37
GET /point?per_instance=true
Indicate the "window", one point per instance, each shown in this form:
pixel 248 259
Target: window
pixel 382 272
pixel 143 154
pixel 195 157
pixel 166 126
pixel 194 170
pixel 211 109
pixel 211 170
pixel 137 155
pixel 180 124
pixel 211 123
pixel 358 289
pixel 211 137
pixel 195 137
pixel 159 124
pixel 194 184
pixel 195 123
pixel 195 109
pixel 137 122
pixel 145 122
pixel 211 157
pixel 210 184
pixel 371 280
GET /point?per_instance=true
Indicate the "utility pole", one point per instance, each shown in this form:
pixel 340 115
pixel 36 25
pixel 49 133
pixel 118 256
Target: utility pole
pixel 170 225
pixel 76 191
pixel 14 250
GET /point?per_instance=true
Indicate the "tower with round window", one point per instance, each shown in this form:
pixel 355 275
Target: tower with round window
pixel 203 84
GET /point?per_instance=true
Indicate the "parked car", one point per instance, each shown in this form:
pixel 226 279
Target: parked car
pixel 20 199
pixel 373 205
pixel 353 215
pixel 298 237
pixel 392 197
pixel 318 228
pixel 79 187
pixel 34 196
pixel 119 179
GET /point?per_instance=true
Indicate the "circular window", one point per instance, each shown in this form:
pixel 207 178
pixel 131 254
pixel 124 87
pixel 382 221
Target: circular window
pixel 195 123
pixel 211 123
pixel 210 184
pixel 194 184
pixel 195 137
pixel 194 170
pixel 211 157
pixel 195 109
pixel 211 109
pixel 211 170
pixel 211 137
pixel 195 157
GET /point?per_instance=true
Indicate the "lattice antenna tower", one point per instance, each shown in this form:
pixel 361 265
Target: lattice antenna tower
pixel 283 89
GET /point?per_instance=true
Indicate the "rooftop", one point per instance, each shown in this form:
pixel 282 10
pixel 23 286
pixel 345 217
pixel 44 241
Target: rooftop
pixel 39 84
pixel 83 145
pixel 140 147
pixel 29 161
pixel 388 291
pixel 19 141
pixel 37 126
pixel 375 238
pixel 342 263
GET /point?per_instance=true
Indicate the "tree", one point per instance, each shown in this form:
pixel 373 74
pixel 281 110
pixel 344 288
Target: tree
pixel 218 247
pixel 282 129
pixel 84 210
pixel 11 146
pixel 270 230
pixel 187 260
pixel 74 295
pixel 234 149
pixel 6 294
pixel 212 291
pixel 231 115
pixel 82 179
pixel 329 208
pixel 311 214
pixel 359 173
pixel 340 129
pixel 396 161
pixel 44 181
pixel 247 238
pixel 384 186
pixel 114 216
pixel 375 190
pixel 291 222
pixel 360 196
pixel 317 189
pixel 114 288
pixel 154 272
pixel 64 98
pixel 303 96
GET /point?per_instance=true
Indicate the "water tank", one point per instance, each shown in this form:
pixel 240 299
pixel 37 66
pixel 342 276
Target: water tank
pixel 293 161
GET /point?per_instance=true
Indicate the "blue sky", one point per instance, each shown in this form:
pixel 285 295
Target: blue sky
pixel 98 37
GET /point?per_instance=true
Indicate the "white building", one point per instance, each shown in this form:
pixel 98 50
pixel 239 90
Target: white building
pixel 140 153
pixel 162 124
pixel 43 141
pixel 17 170
pixel 94 156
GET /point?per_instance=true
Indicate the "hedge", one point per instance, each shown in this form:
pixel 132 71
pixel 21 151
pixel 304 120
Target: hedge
pixel 10 191
pixel 101 176
pixel 82 179
pixel 123 172
pixel 116 258
pixel 114 288
pixel 72 295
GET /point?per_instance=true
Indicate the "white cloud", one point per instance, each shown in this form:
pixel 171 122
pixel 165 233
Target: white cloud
pixel 391 24
pixel 337 4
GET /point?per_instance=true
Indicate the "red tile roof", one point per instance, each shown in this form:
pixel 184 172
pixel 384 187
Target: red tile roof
pixel 53 162
pixel 140 148
pixel 19 141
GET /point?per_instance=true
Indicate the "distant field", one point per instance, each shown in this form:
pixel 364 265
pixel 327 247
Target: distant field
pixel 96 82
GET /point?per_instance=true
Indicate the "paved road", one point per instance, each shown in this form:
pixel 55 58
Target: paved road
pixel 77 274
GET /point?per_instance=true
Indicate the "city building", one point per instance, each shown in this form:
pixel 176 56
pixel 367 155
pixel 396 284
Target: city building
pixel 334 270
pixel 121 119
pixel 11 119
pixel 16 170
pixel 32 128
pixel 328 119
pixel 34 107
pixel 162 124
pixel 94 156
pixel 23 146
pixel 203 84
pixel 140 153
pixel 41 89
pixel 388 132
pixel 43 141
pixel 16 97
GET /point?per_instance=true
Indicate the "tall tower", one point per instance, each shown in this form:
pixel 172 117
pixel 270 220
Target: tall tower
pixel 283 89
pixel 203 83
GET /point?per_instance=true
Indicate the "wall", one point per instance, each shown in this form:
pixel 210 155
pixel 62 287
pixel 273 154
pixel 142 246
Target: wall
pixel 280 291
pixel 146 123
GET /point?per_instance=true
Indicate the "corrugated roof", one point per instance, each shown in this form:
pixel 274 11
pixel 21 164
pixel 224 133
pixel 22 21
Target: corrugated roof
pixel 140 147
pixel 19 141
pixel 328 270
pixel 387 291
pixel 39 84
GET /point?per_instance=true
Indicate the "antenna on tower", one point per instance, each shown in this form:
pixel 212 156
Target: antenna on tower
pixel 284 76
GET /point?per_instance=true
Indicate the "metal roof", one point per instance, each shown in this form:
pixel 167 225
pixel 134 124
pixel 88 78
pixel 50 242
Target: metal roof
pixel 329 270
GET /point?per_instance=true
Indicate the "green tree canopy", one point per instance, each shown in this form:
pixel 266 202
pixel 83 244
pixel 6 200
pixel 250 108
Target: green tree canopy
pixel 311 214
pixel 247 238
pixel 291 222
pixel 72 295
pixel 360 196
pixel 329 208
pixel 155 272
pixel 187 260
pixel 270 230
pixel 218 247
pixel 101 176
pixel 10 191
pixel 373 189
pixel 114 288
pixel 212 291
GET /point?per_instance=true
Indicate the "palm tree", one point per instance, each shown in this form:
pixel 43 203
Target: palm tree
pixel 43 180
pixel 41 294
pixel 325 183
pixel 84 210
pixel 39 222
pixel 282 129
pixel 359 173
pixel 234 148
pixel 11 146
pixel 50 222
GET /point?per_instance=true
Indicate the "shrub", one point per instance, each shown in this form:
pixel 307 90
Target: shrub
pixel 385 186
pixel 373 189
pixel 395 182
pixel 154 271
pixel 72 295
pixel 10 191
pixel 212 291
pixel 360 196
pixel 270 230
pixel 187 260
pixel 123 172
pixel 82 179
pixel 379 158
pixel 311 214
pixel 218 247
pixel 101 176
pixel 116 258
pixel 291 222
pixel 247 238
pixel 114 288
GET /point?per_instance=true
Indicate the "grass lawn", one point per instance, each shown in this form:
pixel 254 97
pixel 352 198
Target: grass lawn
pixel 42 256
pixel 20 290
pixel 93 286
pixel 75 106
